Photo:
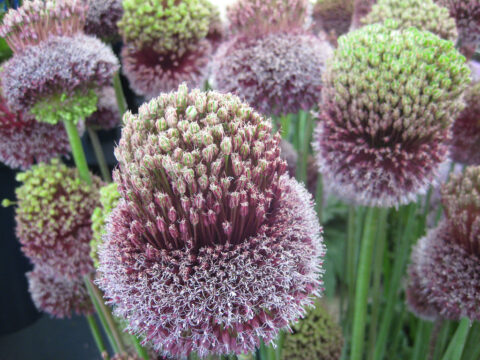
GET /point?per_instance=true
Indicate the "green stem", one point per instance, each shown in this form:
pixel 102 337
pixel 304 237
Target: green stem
pixel 139 348
pixel 319 197
pixel 457 344
pixel 421 340
pixel 472 347
pixel 121 102
pixel 437 326
pixel 97 336
pixel 97 148
pixel 305 131
pixel 363 283
pixel 77 151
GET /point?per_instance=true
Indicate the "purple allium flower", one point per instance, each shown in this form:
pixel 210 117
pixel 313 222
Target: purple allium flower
pixel 211 246
pixel 332 16
pixel 24 141
pixel 259 17
pixel 36 21
pixel 465 143
pixel 151 73
pixel 102 17
pixel 277 73
pixel 107 115
pixel 60 67
pixel 53 218
pixel 57 295
pixel 388 101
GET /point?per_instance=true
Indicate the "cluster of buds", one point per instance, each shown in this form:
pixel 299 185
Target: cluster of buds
pixel 208 228
pixel 422 14
pixel 102 17
pixel 389 98
pixel 36 21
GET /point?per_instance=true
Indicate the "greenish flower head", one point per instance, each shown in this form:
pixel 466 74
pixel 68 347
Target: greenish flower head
pixel 166 26
pixel 316 336
pixel 109 198
pixel 423 14
pixel 63 106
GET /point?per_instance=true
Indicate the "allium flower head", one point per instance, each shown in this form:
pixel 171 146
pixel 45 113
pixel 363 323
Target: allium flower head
pixel 258 17
pixel 332 16
pixel 167 27
pixel 109 198
pixel 277 73
pixel 465 143
pixel 388 101
pixel 448 275
pixel 423 14
pixel 102 17
pixel 53 217
pixel 151 73
pixel 55 79
pixel 211 246
pixel 36 21
pixel 57 295
pixel 107 116
pixel 317 336
pixel 24 141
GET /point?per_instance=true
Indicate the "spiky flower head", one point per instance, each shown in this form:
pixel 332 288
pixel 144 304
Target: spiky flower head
pixel 317 336
pixel 167 27
pixel 53 217
pixel 102 17
pixel 107 116
pixel 109 197
pixel 423 14
pixel 448 274
pixel 211 246
pixel 151 73
pixel 465 143
pixel 57 295
pixel 258 17
pixel 389 98
pixel 276 74
pixel 56 79
pixel 36 21
pixel 332 16
pixel 24 141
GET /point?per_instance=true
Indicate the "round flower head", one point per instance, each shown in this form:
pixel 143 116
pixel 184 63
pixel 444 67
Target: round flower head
pixel 332 16
pixel 151 73
pixel 257 17
pixel 102 17
pixel 465 143
pixel 277 73
pixel 24 141
pixel 316 336
pixel 36 21
pixel 55 80
pixel 53 217
pixel 422 14
pixel 166 27
pixel 211 247
pixel 388 101
pixel 448 274
pixel 107 116
pixel 56 295
pixel 109 198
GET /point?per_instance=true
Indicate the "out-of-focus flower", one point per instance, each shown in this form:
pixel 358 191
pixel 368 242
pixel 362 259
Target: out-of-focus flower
pixel 388 101
pixel 211 247
pixel 57 295
pixel 289 154
pixel 107 116
pixel 216 28
pixel 53 218
pixel 332 16
pixel 276 74
pixel 423 14
pixel 151 73
pixel 102 17
pixel 317 336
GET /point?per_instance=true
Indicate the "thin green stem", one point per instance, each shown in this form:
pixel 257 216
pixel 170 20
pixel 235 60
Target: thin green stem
pixel 77 151
pixel 437 326
pixel 420 348
pixel 457 344
pixel 139 348
pixel 97 336
pixel 305 131
pixel 319 197
pixel 121 102
pixel 97 148
pixel 363 283
pixel 472 347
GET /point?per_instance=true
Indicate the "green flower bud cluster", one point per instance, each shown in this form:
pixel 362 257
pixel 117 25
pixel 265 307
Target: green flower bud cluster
pixel 166 26
pixel 421 14
pixel 317 336
pixel 109 197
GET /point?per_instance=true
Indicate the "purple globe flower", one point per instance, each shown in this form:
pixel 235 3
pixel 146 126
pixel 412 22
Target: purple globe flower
pixel 211 247
pixel 102 17
pixel 277 73
pixel 107 116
